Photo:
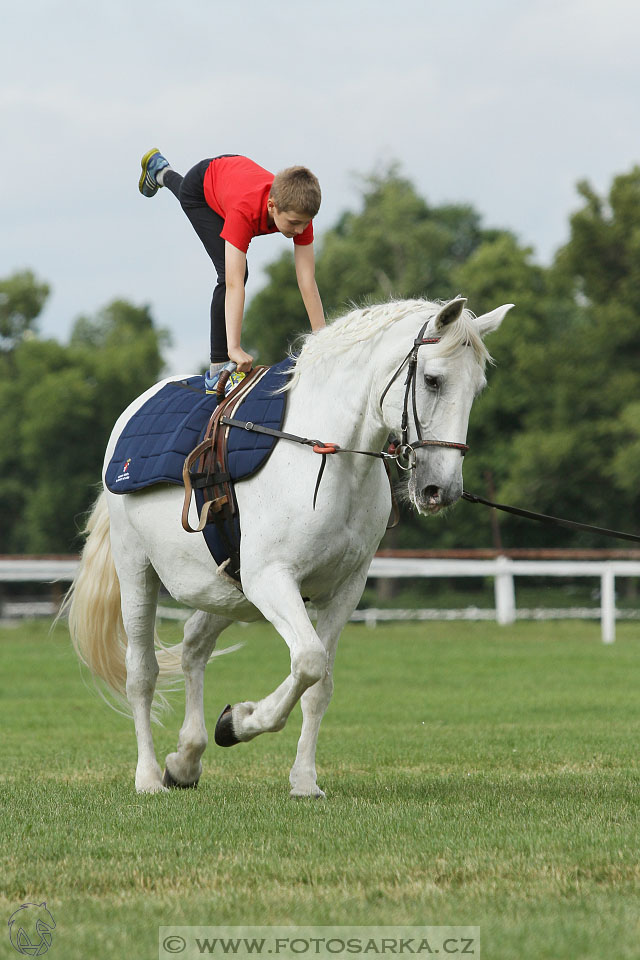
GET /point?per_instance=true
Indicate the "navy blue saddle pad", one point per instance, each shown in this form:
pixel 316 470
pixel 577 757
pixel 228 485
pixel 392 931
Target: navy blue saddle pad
pixel 155 442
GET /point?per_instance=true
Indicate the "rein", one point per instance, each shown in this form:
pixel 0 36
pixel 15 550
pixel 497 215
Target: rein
pixel 554 521
pixel 318 446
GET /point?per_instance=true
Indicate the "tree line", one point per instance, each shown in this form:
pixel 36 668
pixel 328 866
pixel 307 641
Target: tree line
pixel 58 404
pixel 557 430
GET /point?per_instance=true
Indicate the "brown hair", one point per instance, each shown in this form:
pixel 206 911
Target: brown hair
pixel 296 189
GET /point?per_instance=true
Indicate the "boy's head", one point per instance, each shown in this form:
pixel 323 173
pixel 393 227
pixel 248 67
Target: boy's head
pixel 294 199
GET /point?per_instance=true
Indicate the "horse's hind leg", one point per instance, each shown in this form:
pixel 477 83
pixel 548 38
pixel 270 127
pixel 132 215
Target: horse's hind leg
pixel 139 589
pixel 183 768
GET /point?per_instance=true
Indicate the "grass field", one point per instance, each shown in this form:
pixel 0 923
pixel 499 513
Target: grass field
pixel 475 775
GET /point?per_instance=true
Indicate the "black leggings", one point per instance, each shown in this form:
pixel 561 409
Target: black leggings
pixel 208 225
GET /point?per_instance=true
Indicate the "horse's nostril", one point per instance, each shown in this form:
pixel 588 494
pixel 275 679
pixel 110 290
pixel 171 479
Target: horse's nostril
pixel 432 493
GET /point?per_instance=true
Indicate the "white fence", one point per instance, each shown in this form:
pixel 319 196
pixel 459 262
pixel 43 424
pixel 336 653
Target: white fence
pixel 502 569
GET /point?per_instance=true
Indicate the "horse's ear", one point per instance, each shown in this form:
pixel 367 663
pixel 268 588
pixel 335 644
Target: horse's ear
pixel 489 322
pixel 449 313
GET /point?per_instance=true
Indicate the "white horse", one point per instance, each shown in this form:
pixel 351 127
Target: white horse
pixel 289 550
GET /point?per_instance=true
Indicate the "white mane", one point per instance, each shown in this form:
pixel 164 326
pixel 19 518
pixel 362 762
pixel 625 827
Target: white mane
pixel 360 326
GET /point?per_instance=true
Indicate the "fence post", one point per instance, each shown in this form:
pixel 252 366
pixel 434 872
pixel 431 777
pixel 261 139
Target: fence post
pixel 371 619
pixel 504 592
pixel 608 605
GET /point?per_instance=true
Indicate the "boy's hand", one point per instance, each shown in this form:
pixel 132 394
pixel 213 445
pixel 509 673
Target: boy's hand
pixel 240 357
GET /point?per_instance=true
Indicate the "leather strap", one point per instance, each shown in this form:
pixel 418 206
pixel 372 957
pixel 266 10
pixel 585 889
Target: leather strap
pixel 323 449
pixel 211 474
pixel 214 503
pixel 556 521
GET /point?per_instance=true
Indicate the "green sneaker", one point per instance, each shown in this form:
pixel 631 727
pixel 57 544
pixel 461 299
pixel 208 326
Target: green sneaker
pixel 152 163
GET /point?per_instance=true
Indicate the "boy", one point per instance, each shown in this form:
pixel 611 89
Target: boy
pixel 229 200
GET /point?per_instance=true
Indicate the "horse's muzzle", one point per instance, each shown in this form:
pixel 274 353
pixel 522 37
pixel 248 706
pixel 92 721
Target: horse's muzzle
pixel 432 498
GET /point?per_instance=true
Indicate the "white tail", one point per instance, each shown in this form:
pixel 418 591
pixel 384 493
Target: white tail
pixel 95 615
pixel 93 603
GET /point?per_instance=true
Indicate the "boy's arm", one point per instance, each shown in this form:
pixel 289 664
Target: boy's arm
pixel 306 276
pixel 235 265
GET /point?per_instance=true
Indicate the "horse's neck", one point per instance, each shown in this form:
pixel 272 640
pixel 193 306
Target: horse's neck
pixel 334 402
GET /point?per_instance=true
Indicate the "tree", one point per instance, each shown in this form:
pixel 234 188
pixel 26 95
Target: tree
pixel 602 257
pixel 501 271
pixel 579 453
pixel 22 299
pixel 56 412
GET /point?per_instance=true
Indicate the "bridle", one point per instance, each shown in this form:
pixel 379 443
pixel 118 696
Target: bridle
pixel 405 452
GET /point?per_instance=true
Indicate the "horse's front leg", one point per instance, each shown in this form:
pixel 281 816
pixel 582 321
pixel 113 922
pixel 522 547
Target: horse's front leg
pixel 315 700
pixel 201 631
pixel 246 720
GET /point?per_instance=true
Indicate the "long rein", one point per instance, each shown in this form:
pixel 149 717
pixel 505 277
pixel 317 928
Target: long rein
pixel 404 453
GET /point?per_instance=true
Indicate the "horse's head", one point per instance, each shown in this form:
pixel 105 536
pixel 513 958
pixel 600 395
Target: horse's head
pixel 428 401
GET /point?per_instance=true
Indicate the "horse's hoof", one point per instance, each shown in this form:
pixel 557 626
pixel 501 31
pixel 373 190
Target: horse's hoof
pixel 224 735
pixel 169 781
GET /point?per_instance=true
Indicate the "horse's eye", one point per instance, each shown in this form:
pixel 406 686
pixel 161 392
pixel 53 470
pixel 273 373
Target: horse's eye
pixel 433 383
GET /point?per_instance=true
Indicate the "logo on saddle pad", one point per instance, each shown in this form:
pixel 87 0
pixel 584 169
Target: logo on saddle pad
pixel 124 472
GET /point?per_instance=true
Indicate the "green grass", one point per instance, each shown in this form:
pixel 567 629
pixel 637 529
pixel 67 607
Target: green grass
pixel 475 775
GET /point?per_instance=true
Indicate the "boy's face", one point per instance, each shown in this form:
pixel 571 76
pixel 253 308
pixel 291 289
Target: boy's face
pixel 289 223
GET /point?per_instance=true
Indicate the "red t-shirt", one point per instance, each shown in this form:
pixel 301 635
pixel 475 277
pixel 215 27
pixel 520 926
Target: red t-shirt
pixel 238 190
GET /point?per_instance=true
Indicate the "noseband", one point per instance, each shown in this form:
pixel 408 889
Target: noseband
pixel 405 452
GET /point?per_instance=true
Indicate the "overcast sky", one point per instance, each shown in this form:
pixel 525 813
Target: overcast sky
pixel 501 103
